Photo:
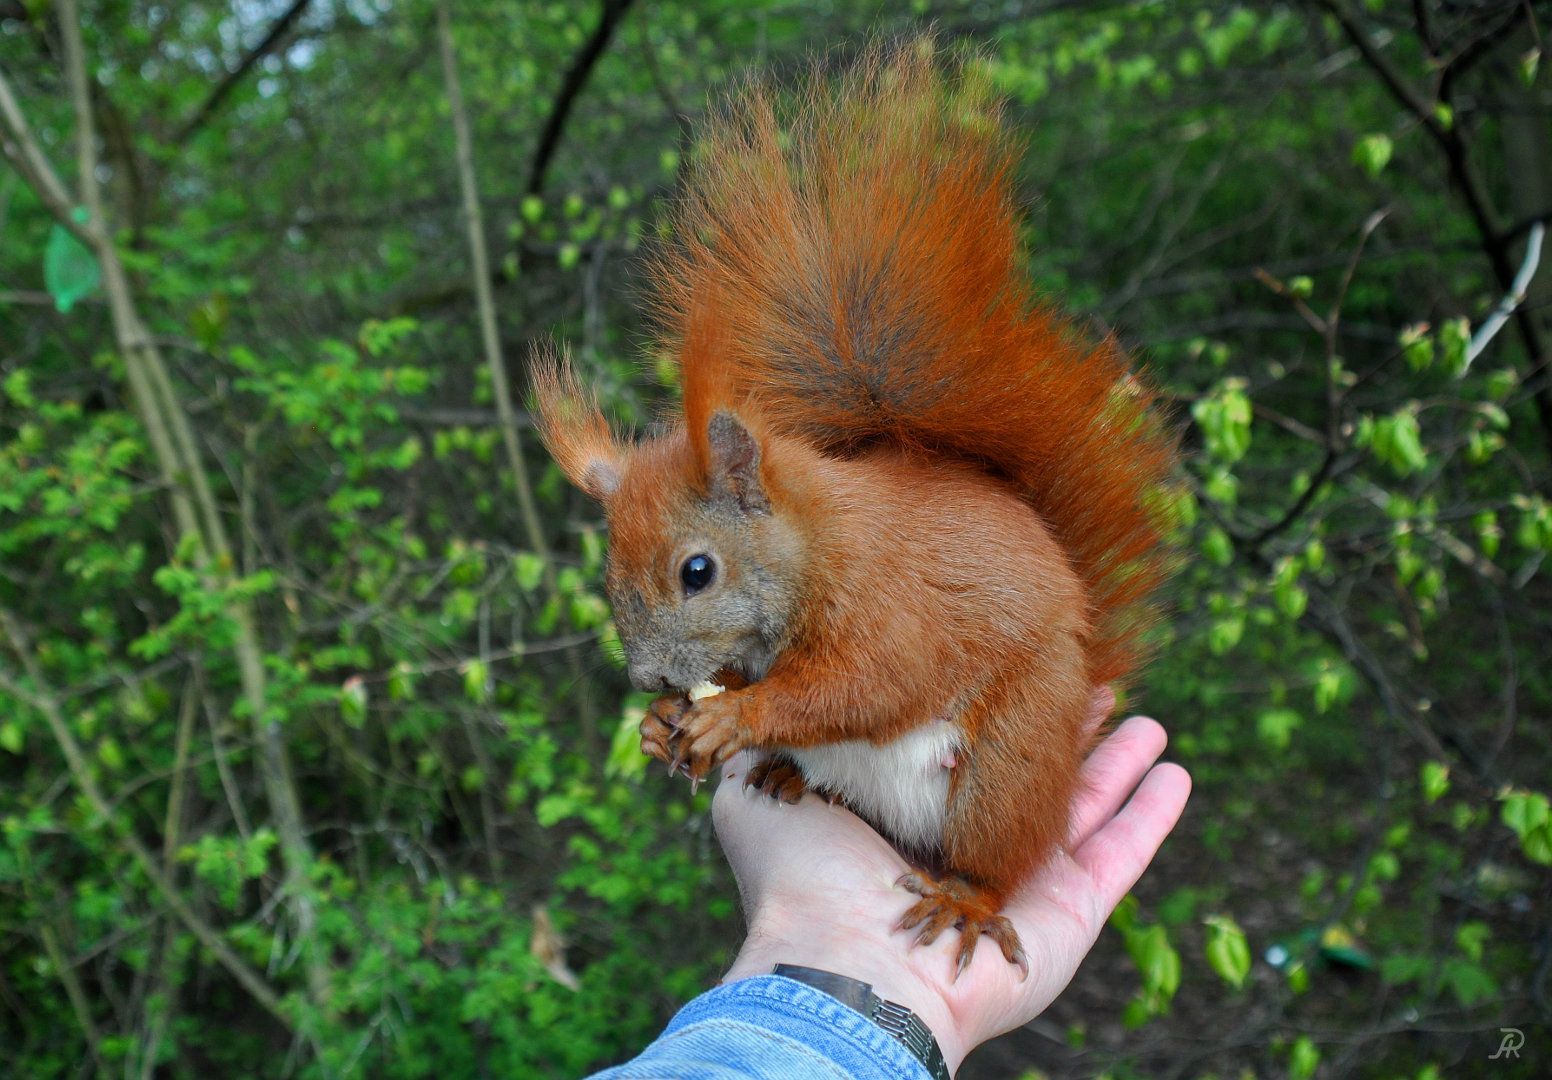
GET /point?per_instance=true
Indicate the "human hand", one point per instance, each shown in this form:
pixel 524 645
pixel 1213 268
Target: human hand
pixel 818 886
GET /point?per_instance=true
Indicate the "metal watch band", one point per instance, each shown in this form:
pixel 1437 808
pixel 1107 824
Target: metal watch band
pixel 895 1019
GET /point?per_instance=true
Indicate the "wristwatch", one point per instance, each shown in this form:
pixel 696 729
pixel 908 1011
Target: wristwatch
pixel 896 1020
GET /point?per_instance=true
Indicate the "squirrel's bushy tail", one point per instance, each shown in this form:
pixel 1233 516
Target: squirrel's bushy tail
pixel 849 266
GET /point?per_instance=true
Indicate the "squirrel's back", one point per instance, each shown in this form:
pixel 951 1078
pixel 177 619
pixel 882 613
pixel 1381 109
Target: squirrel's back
pixel 850 269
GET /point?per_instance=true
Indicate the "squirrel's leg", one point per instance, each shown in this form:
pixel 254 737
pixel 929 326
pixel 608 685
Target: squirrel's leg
pixel 775 775
pixel 789 707
pixel 1008 809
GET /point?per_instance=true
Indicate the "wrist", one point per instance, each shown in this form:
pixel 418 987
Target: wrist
pixel 870 956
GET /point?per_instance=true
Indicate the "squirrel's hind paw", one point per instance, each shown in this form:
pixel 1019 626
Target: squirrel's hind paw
pixel 952 901
pixel 778 778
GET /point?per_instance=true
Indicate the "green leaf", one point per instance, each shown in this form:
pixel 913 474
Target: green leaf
pixel 1397 441
pixel 401 682
pixel 1217 546
pixel 1525 811
pixel 1384 866
pixel 353 701
pixel 1471 983
pixel 1529 815
pixel 476 681
pixel 1276 727
pixel 1226 633
pixel 1228 953
pixel 625 757
pixel 1373 153
pixel 528 569
pixel 1328 687
pixel 1303 1059
pixel 1436 780
pixel 1471 937
pixel 1291 600
pixel 70 270
pixel 1455 340
pixel 1224 418
pixel 1417 347
pixel 18 387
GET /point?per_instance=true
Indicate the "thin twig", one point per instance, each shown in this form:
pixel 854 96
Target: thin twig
pixel 208 107
pixel 485 302
pixel 80 772
pixel 1457 159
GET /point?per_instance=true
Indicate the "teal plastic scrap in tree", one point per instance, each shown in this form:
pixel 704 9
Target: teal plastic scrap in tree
pixel 70 270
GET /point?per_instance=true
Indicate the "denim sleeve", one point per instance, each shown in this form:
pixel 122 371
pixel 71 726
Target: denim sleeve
pixel 770 1028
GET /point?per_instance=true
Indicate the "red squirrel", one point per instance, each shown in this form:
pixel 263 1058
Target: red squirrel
pixel 908 515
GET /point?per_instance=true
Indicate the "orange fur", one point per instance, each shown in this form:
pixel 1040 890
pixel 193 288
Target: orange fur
pixel 948 517
pixel 865 263
pixel 574 428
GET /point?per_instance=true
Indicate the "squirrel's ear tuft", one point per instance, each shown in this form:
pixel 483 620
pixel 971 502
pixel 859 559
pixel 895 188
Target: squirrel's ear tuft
pixel 574 429
pixel 733 462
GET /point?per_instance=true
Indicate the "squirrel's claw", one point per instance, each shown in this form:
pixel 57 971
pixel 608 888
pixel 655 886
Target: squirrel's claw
pixel 778 778
pixel 660 727
pixel 708 734
pixel 955 902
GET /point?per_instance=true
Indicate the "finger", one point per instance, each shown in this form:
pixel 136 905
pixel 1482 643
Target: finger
pixel 1118 853
pixel 1110 774
pixel 1100 707
pixel 735 770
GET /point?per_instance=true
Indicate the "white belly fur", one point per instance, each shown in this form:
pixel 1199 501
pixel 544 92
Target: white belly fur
pixel 901 786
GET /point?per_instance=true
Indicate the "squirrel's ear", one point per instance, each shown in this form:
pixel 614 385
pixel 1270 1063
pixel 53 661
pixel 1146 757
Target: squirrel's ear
pixel 734 462
pixel 574 429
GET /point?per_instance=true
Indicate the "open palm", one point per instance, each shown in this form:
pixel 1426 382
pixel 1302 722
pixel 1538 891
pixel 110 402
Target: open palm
pixel 819 890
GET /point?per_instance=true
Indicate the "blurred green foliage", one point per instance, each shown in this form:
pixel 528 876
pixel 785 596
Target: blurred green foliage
pixel 1299 214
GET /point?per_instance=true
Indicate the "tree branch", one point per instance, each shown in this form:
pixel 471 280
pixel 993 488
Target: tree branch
pixel 479 260
pixel 208 107
pixel 571 86
pixel 1512 299
pixel 80 772
pixel 178 457
pixel 494 361
pixel 21 149
pixel 1458 161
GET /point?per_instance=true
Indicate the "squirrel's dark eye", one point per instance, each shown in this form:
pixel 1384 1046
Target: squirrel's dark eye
pixel 697 572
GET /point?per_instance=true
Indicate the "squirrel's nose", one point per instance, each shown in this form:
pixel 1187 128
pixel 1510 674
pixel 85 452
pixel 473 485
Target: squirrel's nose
pixel 645 677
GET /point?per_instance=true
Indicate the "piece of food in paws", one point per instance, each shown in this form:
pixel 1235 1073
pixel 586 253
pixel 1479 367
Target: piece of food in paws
pixel 704 690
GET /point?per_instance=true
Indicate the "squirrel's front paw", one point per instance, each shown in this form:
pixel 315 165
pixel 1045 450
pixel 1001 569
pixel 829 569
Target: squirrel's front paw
pixel 661 725
pixel 708 734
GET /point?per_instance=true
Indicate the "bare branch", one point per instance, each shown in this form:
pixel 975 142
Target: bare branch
pixel 480 269
pixel 21 149
pixel 1512 299
pixel 179 460
pixel 494 361
pixel 267 45
pixel 1457 158
pixel 571 86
